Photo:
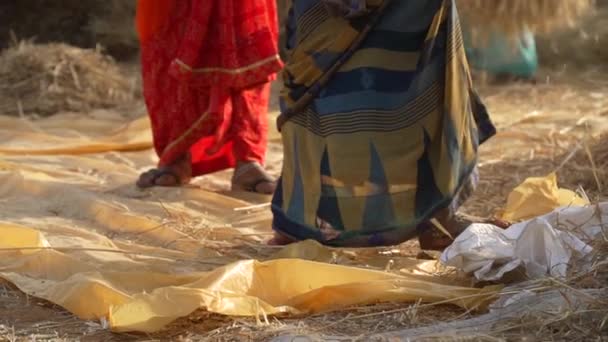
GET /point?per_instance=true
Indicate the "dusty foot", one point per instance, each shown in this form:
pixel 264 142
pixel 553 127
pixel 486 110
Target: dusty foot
pixel 432 239
pixel 176 174
pixel 252 177
pixel 280 240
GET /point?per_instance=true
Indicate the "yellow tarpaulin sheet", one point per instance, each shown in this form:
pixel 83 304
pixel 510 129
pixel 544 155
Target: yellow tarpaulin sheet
pixel 75 231
pixel 538 196
pixel 73 134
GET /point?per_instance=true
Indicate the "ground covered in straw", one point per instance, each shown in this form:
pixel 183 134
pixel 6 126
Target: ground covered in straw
pixel 558 125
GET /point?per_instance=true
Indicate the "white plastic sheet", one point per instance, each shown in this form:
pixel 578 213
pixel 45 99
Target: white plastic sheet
pixel 541 246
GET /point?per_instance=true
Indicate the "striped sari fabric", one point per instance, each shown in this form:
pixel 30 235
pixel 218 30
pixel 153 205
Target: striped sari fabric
pixel 383 125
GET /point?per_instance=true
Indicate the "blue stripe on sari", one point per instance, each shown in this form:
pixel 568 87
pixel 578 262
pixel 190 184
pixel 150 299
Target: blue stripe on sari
pixel 381 148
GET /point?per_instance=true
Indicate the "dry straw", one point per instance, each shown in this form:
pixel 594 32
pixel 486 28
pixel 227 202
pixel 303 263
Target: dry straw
pixel 50 78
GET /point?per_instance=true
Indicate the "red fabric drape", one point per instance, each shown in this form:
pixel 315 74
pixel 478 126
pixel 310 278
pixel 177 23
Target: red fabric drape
pixel 206 68
pixel 151 16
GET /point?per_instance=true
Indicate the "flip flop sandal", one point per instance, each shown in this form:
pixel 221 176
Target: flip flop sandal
pixel 157 173
pixel 253 185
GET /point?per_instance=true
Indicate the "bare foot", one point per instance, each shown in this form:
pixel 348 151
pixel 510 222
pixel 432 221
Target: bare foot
pixel 432 239
pixel 176 174
pixel 251 176
pixel 280 240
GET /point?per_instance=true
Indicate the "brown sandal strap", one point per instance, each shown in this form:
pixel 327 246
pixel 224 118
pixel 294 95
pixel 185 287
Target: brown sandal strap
pixel 254 186
pixel 157 173
pixel 250 186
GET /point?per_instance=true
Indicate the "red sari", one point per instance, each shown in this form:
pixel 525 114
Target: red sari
pixel 207 67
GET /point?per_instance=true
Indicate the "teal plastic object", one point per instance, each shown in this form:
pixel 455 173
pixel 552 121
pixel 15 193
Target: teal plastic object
pixel 500 56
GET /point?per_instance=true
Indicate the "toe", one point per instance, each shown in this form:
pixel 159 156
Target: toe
pixel 280 240
pixel 166 180
pixel 146 179
pixel 266 187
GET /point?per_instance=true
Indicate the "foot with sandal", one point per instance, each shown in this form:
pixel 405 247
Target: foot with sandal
pixel 373 149
pixel 248 176
pixel 430 237
pixel 207 95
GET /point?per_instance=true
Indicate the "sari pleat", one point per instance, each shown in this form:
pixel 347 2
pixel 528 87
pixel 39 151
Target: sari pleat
pixel 206 69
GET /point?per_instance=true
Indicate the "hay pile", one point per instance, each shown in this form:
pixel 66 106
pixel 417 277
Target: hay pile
pixel 514 16
pixel 47 79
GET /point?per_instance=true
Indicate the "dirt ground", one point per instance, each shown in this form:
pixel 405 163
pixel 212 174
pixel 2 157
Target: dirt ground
pixel 544 127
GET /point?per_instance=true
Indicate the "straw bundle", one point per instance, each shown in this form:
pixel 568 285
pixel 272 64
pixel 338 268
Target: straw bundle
pixel 46 79
pixel 512 17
